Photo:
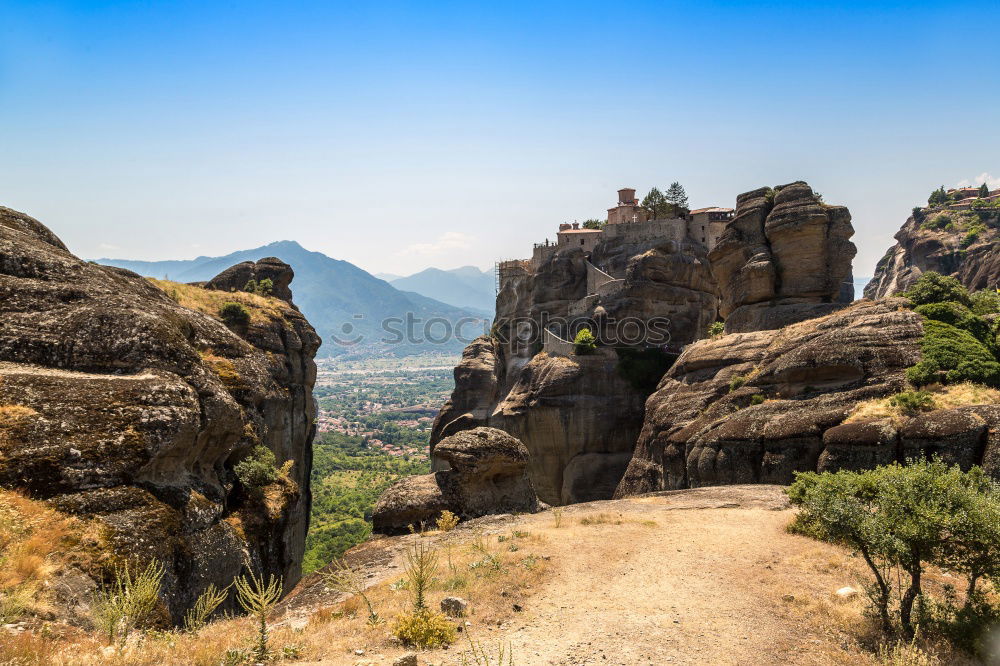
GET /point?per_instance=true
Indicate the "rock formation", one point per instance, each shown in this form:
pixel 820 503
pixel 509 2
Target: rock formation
pixel 951 247
pixel 235 278
pixel 757 407
pixel 578 415
pixel 485 472
pixel 122 407
pixel 785 257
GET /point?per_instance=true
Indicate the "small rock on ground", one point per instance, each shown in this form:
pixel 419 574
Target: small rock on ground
pixel 454 606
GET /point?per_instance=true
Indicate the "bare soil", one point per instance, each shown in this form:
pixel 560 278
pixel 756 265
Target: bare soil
pixel 704 576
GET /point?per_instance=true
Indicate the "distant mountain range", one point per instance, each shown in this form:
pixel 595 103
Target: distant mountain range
pixel 342 301
pixel 466 287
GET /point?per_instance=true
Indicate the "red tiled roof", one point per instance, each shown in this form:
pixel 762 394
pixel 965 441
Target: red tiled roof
pixel 580 231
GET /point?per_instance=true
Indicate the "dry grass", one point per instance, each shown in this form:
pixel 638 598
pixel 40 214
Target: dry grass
pixel 224 368
pixel 491 574
pixel 944 397
pixel 263 309
pixel 12 414
pixel 33 541
pixel 610 519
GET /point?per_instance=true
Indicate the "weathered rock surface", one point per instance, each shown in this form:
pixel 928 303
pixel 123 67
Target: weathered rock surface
pixel 576 414
pixel 485 472
pixel 785 257
pixel 703 428
pixel 946 251
pixel 120 406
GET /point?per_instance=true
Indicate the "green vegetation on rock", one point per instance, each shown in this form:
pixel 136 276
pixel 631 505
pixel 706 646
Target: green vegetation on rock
pixel 959 344
pixel 584 343
pixel 234 314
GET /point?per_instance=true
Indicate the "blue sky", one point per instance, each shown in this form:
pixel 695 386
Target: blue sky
pixel 404 135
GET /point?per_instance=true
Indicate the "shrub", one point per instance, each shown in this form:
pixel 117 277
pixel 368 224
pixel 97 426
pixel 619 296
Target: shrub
pixel 901 518
pixel 584 343
pixel 911 402
pixel 424 629
pixel 973 233
pixel 986 302
pixel 935 288
pixel 942 221
pixel 129 602
pixel 258 597
pixel 757 399
pixel 958 353
pixel 258 469
pixel 197 616
pixel 234 314
pixel 715 329
pixel 447 521
pixel 958 316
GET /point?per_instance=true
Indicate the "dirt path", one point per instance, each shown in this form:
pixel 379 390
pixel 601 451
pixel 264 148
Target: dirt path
pixel 697 577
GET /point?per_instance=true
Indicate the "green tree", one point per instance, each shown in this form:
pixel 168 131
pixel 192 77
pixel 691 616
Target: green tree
pixel 677 198
pixel 656 203
pixel 984 191
pixel 901 518
pixel 938 197
pixel 594 224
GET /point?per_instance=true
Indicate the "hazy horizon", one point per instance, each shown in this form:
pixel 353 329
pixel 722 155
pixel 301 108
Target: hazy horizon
pixel 400 137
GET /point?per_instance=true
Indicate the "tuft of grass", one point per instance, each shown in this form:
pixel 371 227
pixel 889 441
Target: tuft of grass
pixel 224 368
pixel 602 519
pixel 557 516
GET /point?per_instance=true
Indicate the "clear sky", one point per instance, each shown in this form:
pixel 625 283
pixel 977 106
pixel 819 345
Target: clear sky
pixel 404 135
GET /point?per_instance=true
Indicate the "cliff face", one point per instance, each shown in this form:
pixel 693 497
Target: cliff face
pixel 757 407
pixel 966 247
pixel 127 409
pixel 578 416
pixel 785 257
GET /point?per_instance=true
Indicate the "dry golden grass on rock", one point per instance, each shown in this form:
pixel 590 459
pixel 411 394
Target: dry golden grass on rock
pixel 33 541
pixel 262 308
pixel 494 573
pixel 944 397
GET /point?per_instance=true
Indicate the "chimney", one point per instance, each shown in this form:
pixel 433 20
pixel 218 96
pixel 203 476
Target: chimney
pixel 576 225
pixel 564 226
